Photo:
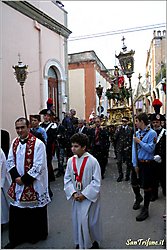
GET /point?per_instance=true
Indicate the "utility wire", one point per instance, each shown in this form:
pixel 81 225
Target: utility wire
pixel 116 32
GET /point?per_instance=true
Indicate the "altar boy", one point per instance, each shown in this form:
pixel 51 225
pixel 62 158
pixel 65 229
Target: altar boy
pixel 82 184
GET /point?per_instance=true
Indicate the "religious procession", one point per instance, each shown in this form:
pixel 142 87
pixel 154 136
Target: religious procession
pixel 81 150
pixel 83 146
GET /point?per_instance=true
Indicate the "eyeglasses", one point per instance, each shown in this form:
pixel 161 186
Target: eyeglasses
pixel 21 127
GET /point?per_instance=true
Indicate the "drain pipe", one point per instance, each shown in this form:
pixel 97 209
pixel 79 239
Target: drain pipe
pixel 38 28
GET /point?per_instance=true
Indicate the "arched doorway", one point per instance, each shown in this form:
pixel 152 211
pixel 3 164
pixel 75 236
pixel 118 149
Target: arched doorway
pixel 53 89
pixel 55 85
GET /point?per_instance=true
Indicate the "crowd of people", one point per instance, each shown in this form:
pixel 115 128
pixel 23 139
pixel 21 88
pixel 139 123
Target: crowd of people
pixel 82 151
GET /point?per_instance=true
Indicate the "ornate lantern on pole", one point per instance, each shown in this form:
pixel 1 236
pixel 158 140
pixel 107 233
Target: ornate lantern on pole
pixel 99 91
pixel 126 61
pixel 21 75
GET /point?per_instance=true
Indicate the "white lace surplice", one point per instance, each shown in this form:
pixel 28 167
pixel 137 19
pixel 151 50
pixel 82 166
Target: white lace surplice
pixel 38 171
pixel 85 214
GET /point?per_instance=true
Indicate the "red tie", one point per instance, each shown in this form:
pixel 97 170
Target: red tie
pixel 97 135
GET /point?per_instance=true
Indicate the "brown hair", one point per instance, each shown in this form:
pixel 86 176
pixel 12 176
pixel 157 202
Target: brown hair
pixel 80 138
pixel 143 117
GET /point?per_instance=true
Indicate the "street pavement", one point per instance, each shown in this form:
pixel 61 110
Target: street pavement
pixel 120 230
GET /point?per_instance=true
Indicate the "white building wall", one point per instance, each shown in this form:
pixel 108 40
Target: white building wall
pixel 36 45
pixel 17 31
pixel 77 91
pixel 48 8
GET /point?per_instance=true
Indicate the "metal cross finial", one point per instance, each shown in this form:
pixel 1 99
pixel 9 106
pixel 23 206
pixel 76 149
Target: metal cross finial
pixel 139 77
pixel 124 46
pixel 19 57
pixel 123 39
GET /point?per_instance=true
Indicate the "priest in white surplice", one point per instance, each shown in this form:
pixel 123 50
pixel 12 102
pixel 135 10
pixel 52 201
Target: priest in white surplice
pixel 28 193
pixel 82 183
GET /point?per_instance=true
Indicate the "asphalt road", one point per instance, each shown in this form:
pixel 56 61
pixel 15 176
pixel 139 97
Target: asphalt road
pixel 119 227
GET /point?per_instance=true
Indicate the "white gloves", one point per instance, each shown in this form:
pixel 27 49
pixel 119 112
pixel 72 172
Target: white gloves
pixel 157 158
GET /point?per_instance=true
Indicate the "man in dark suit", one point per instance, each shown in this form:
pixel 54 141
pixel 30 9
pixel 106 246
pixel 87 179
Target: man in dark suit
pixel 81 127
pixel 123 138
pixel 51 130
pixel 73 117
pixel 69 131
pixel 61 142
pixel 99 144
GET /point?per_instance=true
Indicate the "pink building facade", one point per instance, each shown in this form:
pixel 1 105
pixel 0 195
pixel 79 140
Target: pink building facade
pixel 37 30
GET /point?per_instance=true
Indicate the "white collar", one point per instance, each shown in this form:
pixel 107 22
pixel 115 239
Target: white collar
pixel 83 156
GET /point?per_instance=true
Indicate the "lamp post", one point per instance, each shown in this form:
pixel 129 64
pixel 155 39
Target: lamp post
pixel 99 91
pixel 140 106
pixel 126 61
pixel 21 75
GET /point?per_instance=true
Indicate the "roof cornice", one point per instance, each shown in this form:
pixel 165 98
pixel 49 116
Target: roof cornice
pixel 36 14
pixel 86 56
